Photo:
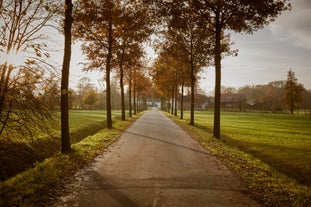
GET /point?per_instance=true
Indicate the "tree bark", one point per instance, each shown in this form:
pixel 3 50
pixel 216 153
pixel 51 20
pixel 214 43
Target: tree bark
pixel 5 76
pixel 65 140
pixel 182 102
pixel 108 69
pixel 122 87
pixel 217 77
pixel 176 101
pixel 192 84
pixel 192 96
pixel 172 105
pixel 134 93
pixel 130 94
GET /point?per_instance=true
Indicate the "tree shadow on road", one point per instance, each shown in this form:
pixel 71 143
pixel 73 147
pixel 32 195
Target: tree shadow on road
pixel 103 185
pixel 201 151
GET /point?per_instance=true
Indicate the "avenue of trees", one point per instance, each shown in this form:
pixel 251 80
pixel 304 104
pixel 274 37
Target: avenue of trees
pixel 114 41
pixel 215 17
pixel 192 35
pixel 88 97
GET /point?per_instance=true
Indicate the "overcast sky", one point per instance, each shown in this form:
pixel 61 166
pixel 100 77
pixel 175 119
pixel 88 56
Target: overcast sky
pixel 270 53
pixel 265 56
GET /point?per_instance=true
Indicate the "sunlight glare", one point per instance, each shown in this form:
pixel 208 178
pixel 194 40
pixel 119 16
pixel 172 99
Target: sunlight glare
pixel 15 58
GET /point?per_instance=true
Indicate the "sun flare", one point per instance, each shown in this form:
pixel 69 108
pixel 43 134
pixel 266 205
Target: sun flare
pixel 14 58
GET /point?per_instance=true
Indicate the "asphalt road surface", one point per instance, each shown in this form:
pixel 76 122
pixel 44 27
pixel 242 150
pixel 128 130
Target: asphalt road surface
pixel 155 163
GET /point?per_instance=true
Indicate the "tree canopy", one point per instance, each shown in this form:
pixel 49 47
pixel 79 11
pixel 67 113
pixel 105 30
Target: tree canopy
pixel 118 28
pixel 236 15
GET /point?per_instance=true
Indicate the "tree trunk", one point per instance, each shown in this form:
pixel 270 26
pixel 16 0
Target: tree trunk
pixel 176 102
pixel 192 96
pixel 182 102
pixel 134 93
pixel 137 102
pixel 2 87
pixel 292 99
pixel 122 88
pixel 192 85
pixel 65 145
pixel 217 77
pixel 130 93
pixel 108 68
pixel 4 83
pixel 172 105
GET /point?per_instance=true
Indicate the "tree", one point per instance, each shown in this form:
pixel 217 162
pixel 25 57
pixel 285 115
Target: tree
pixel 191 44
pixel 236 15
pixel 293 91
pixel 90 98
pixel 116 27
pixel 23 52
pixel 128 57
pixel 65 147
pixel 49 93
pixel 164 75
pixel 84 86
pixel 133 30
pixel 188 42
pixel 99 39
pixel 21 23
pixel 142 89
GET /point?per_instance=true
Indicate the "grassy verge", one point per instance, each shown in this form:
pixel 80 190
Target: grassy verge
pixel 84 123
pixel 283 141
pixel 34 186
pixel 267 184
pixel 20 153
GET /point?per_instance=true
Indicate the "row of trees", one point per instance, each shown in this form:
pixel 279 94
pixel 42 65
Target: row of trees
pixel 114 41
pixel 89 97
pixel 113 34
pixel 195 37
pixel 275 96
pixel 29 91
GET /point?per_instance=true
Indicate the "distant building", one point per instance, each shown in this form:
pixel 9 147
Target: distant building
pixel 154 103
pixel 233 100
pixel 201 102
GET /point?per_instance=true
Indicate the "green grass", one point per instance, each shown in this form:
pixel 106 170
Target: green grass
pixel 281 140
pixel 270 152
pixel 81 118
pixel 20 153
pixel 36 186
pixel 87 122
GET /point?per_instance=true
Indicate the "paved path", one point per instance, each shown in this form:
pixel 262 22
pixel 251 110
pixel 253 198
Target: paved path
pixel 156 163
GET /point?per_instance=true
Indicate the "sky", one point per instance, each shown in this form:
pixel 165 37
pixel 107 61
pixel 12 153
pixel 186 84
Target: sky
pixel 265 56
pixel 270 53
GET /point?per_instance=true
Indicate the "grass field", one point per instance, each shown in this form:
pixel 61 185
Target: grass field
pixel 283 141
pixel 87 122
pixel 81 118
pixel 269 152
